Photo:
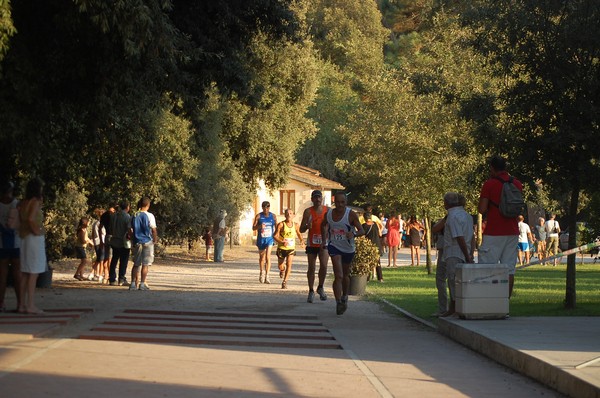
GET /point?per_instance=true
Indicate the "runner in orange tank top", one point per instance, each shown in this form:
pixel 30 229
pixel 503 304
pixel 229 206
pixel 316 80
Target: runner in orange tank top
pixel 311 222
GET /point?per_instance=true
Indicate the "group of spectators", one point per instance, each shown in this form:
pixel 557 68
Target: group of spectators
pixel 115 235
pixel 544 239
pixel 395 232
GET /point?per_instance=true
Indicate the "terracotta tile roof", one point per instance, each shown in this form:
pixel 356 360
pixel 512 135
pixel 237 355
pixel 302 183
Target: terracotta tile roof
pixel 313 178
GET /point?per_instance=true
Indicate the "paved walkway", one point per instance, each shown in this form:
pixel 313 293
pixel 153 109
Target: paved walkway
pixel 212 330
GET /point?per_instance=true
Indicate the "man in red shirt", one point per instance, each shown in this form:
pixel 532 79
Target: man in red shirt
pixel 501 233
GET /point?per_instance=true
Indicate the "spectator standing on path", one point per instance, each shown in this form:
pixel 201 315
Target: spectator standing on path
pixel 340 227
pixel 120 227
pixel 458 242
pixel 524 238
pixel 105 241
pixel 539 234
pixel 98 236
pixel 440 268
pixel 264 223
pixel 218 232
pixel 208 242
pixel 82 242
pixel 414 228
pixel 384 232
pixel 33 248
pixel 393 239
pixel 501 234
pixel 368 208
pixel 144 238
pixel 552 231
pixel 10 243
pixel 312 218
pixel 286 233
pixel 372 232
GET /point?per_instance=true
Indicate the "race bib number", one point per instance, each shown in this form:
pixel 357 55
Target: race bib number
pixel 316 239
pixel 267 231
pixel 289 242
pixel 338 234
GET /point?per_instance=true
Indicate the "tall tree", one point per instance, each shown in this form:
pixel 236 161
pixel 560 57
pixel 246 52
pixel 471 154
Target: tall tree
pixel 349 38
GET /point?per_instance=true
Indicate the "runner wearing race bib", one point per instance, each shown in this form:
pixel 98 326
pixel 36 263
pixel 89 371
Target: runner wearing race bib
pixel 341 226
pixel 311 222
pixel 285 235
pixel 264 224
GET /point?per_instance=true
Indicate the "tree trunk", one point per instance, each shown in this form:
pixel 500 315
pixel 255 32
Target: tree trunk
pixel 571 294
pixel 427 245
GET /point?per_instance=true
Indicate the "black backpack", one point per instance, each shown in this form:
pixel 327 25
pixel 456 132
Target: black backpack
pixel 511 199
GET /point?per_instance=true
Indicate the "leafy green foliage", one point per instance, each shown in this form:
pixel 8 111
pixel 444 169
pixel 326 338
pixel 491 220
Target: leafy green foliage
pixel 349 39
pixel 366 257
pixel 62 218
pixel 120 98
pixel 7 29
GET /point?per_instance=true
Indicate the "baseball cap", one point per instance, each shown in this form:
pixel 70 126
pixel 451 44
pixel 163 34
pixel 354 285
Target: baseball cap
pixel 316 192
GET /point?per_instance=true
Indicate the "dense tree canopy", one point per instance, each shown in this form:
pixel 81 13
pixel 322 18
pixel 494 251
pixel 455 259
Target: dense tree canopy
pixel 138 97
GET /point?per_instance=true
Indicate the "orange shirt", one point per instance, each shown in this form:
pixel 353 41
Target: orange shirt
pixel 314 231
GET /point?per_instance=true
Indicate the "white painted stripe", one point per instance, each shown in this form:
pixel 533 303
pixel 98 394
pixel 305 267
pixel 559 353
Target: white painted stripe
pixel 25 361
pixel 381 389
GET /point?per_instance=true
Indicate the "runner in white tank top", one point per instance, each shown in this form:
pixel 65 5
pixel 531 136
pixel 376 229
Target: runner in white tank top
pixel 340 227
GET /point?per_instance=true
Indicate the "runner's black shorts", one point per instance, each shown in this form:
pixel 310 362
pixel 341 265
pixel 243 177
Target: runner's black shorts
pixel 282 253
pixel 313 249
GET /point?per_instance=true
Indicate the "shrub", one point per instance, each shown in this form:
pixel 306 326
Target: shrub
pixel 365 258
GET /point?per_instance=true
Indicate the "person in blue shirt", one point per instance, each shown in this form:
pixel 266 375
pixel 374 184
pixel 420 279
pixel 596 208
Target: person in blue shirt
pixel 264 223
pixel 143 239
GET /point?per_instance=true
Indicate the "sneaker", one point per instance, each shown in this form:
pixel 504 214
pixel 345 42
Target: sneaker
pixel 284 285
pixel 100 279
pixel 96 278
pixel 123 282
pixel 143 286
pixel 133 286
pixel 345 307
pixel 311 297
pixel 90 277
pixel 261 278
pixel 321 293
pixel 113 283
pixel 339 308
pixel 267 281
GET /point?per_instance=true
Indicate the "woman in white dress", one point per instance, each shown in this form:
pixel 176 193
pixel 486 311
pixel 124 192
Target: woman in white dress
pixel 33 250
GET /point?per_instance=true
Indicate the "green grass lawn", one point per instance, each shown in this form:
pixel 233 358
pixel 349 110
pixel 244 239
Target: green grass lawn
pixel 539 291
